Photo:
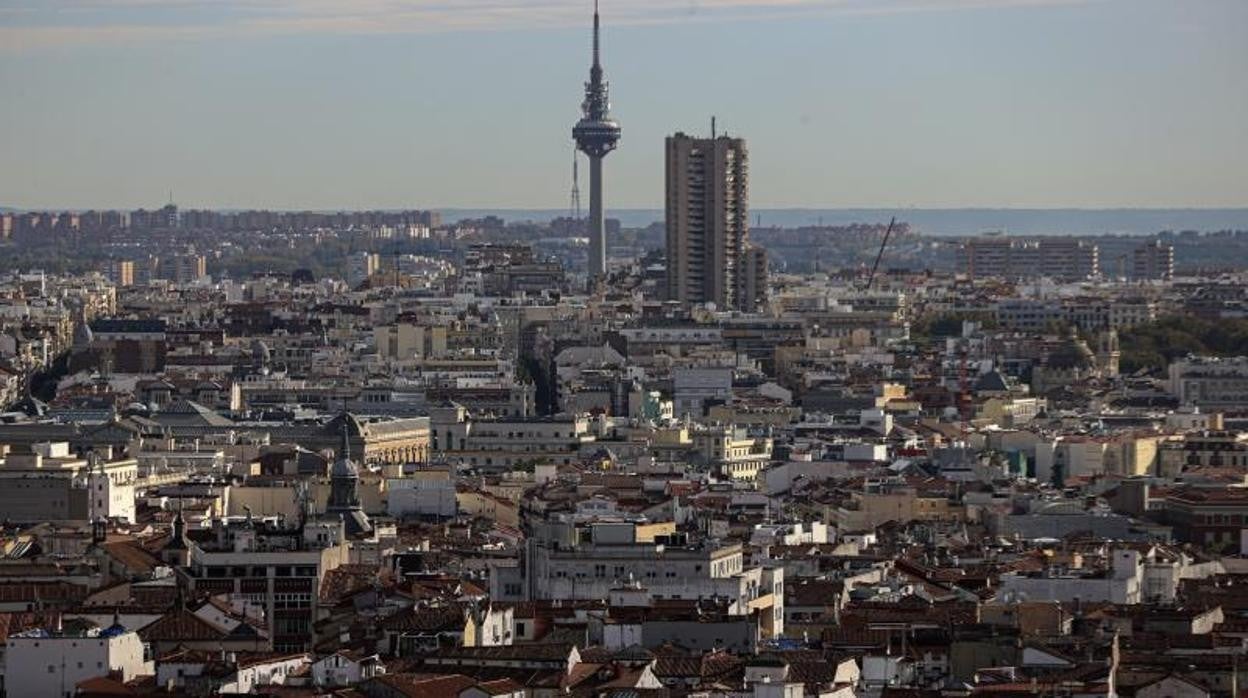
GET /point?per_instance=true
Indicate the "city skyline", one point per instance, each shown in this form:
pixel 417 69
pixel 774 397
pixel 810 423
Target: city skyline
pixel 1123 104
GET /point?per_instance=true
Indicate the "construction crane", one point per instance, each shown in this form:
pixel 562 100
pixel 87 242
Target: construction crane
pixel 880 255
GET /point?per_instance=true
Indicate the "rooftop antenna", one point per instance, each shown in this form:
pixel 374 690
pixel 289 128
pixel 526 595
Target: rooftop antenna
pixel 712 127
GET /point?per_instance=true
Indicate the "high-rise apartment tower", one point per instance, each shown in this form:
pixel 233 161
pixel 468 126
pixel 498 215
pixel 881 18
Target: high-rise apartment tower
pixel 709 257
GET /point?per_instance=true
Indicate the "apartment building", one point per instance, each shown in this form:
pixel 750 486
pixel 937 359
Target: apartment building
pixel 709 256
pixel 1153 261
pixel 275 567
pixel 51 484
pixel 669 568
pixel 732 452
pixel 1058 258
pixel 50 662
pixel 502 443
pixel 1210 383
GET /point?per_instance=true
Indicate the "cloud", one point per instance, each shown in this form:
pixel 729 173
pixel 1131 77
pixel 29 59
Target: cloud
pixel 33 24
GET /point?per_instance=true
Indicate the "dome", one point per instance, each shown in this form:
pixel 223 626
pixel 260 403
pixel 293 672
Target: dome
pixel 1072 354
pixel 83 335
pixel 260 352
pixel 343 467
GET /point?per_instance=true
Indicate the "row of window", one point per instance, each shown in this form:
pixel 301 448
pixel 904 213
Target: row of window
pixel 240 571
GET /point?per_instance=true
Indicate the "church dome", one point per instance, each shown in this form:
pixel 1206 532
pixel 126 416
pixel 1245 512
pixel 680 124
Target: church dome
pixel 343 467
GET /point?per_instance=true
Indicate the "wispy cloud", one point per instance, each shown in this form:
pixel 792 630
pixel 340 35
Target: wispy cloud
pixel 33 24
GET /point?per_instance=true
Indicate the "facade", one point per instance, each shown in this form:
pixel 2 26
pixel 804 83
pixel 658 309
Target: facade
pixel 1210 383
pixel 1153 261
pixel 1206 449
pixel 280 570
pixel 361 266
pixel 189 268
pixel 1122 584
pixel 1058 258
pixel 428 493
pixel 732 452
pixel 1207 516
pixel 52 485
pixel 121 273
pixel 709 257
pixel 346 669
pixel 53 661
pixel 501 444
pixel 596 569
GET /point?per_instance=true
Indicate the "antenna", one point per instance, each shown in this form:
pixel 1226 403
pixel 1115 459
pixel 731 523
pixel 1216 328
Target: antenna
pixel 596 62
pixel 346 439
pixel 575 207
pixel 712 127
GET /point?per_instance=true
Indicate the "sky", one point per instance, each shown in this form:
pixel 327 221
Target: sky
pixel 336 104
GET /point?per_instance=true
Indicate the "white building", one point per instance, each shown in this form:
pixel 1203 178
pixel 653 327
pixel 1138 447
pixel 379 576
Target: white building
pixel 52 662
pixel 501 444
pixel 421 497
pixel 346 669
pixel 1133 577
pixel 51 484
pixel 669 571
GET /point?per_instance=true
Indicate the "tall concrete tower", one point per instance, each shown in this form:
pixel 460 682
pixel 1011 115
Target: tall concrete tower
pixel 709 255
pixel 596 134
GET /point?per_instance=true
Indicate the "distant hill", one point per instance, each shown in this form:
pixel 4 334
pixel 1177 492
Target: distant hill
pixel 939 221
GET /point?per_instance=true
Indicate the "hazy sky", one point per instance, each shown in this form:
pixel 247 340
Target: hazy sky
pixel 470 103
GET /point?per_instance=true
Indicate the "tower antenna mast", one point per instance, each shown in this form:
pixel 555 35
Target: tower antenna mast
pixel 575 208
